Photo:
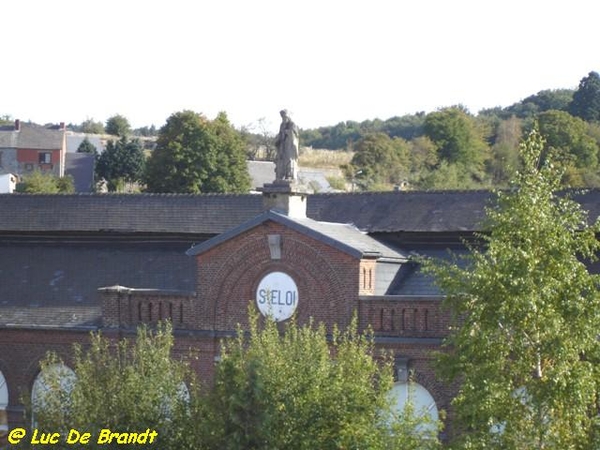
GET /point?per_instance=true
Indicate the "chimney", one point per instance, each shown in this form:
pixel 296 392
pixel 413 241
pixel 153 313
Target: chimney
pixel 17 125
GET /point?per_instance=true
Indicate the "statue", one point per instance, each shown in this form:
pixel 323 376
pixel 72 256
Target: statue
pixel 286 162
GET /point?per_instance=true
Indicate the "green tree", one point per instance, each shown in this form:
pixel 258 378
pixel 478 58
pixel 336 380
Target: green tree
pixel 586 99
pixel 118 125
pixel 379 160
pixel 195 155
pixel 87 147
pixel 504 159
pixel 38 182
pixel 291 388
pixel 90 126
pixel 122 386
pixel 121 161
pixel 524 343
pixel 456 136
pixel 567 137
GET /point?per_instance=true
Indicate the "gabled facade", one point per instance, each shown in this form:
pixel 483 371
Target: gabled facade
pixel 26 147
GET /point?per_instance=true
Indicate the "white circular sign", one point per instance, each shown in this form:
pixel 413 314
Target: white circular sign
pixel 277 296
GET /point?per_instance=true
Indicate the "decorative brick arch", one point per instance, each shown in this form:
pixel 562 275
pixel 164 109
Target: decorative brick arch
pixel 230 273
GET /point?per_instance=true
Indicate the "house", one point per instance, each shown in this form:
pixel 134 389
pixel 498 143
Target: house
pixel 8 183
pixel 25 147
pixel 71 264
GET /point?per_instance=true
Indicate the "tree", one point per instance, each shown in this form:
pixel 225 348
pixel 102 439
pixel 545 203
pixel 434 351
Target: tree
pixel 524 343
pixel 125 386
pixel 504 159
pixel 118 125
pixel 195 155
pixel 90 126
pixel 457 137
pixel 379 160
pixel 261 141
pixel 567 137
pixel 586 99
pixel 121 161
pixel 297 390
pixel 87 147
pixel 38 182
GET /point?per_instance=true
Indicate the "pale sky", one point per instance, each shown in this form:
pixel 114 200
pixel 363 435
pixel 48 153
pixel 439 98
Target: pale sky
pixel 326 61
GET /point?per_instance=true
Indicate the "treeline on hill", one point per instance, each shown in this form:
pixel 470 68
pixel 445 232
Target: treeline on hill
pixel 454 149
pixel 450 148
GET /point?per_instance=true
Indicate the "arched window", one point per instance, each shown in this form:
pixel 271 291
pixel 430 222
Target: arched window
pixel 423 404
pixel 56 379
pixel 3 406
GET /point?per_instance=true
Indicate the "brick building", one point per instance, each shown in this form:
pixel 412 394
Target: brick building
pixel 71 264
pixel 25 147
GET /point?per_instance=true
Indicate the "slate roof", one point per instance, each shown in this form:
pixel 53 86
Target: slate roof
pixel 344 237
pixel 74 140
pixel 419 211
pixel 41 277
pixel 145 213
pixel 383 212
pixel 81 167
pixel 31 136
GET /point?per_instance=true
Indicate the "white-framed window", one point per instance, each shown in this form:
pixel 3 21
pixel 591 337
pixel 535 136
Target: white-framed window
pixel 3 406
pixel 422 402
pixel 54 376
pixel 45 157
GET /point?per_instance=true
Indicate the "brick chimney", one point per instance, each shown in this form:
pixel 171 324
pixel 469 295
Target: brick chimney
pixel 17 125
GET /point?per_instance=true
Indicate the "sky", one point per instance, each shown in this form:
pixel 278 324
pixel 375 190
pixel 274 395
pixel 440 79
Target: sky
pixel 326 61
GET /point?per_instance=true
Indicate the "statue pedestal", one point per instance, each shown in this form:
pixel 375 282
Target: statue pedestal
pixel 285 197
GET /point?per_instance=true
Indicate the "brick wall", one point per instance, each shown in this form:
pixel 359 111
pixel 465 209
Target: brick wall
pixel 404 316
pixel 127 308
pixel 228 275
pixel 22 350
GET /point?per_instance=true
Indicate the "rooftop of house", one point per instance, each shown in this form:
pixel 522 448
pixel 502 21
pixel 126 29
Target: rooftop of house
pixel 24 135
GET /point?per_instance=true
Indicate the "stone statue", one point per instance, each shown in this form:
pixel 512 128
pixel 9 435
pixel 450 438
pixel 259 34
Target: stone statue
pixel 286 163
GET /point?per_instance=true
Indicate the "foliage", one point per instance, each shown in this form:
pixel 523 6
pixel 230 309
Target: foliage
pixel 504 160
pixel 586 99
pixel 118 125
pixel 260 141
pixel 455 134
pixel 145 131
pixel 195 155
pixel 297 390
pixel 90 126
pixel 345 134
pixel 379 159
pixel 87 147
pixel 524 343
pixel 122 160
pixel 566 136
pixel 38 182
pixel 122 386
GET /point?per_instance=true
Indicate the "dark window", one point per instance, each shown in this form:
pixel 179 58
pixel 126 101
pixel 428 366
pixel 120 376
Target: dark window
pixel 45 158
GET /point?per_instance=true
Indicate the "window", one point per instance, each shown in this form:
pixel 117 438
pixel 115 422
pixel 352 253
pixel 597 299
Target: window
pixel 45 158
pixel 56 379
pixel 420 399
pixel 3 405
